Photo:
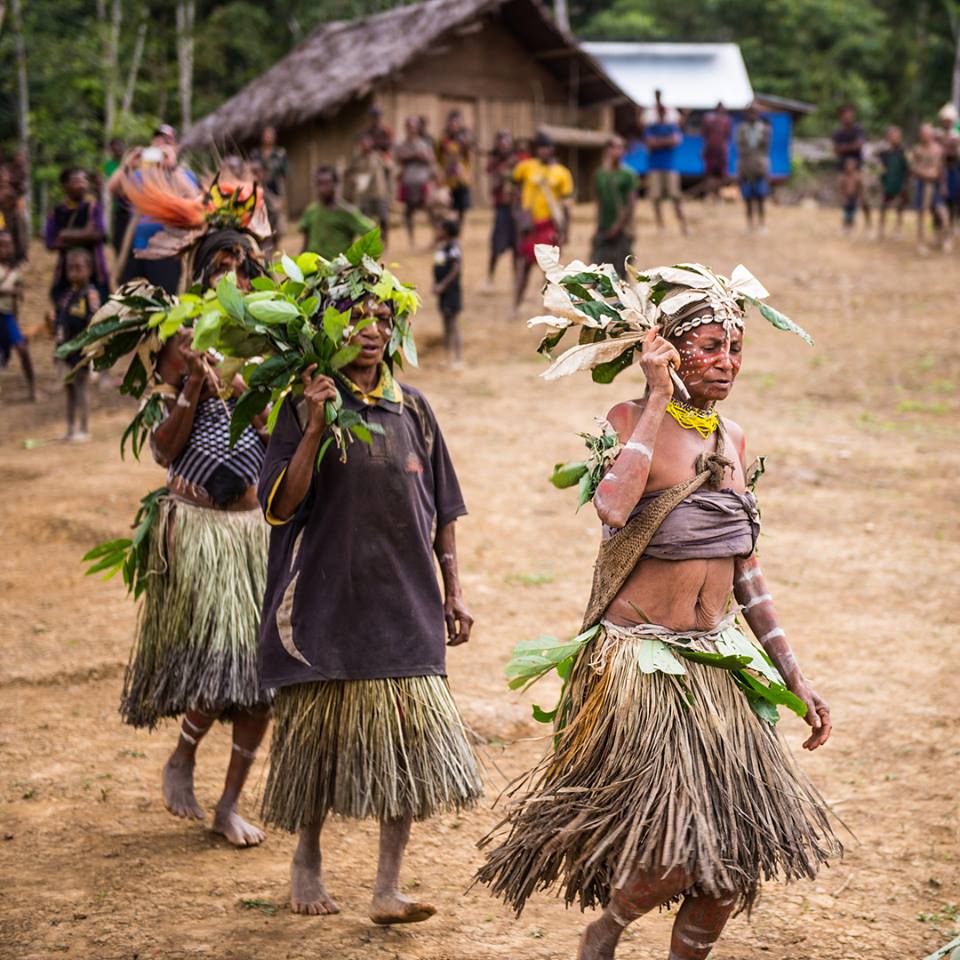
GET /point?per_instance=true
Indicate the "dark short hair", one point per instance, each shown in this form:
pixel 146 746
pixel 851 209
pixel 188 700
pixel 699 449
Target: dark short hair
pixel 67 172
pixel 81 252
pixel 450 228
pixel 325 169
pixel 542 139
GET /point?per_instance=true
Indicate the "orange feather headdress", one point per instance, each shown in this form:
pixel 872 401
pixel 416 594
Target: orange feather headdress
pixel 188 212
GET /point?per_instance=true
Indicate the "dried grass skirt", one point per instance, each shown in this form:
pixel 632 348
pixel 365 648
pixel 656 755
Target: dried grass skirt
pixel 655 771
pixel 198 627
pixel 386 749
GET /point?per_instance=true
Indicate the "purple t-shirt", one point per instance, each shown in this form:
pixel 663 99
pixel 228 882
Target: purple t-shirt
pixel 352 591
pixel 77 216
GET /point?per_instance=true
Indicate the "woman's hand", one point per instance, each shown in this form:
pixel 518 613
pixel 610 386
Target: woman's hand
pixel 818 714
pixel 317 391
pixel 459 621
pixel 658 356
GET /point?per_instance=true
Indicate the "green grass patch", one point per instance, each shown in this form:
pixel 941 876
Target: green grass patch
pixel 257 903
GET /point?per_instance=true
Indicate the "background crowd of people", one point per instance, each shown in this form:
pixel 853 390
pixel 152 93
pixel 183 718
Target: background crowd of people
pixel 431 178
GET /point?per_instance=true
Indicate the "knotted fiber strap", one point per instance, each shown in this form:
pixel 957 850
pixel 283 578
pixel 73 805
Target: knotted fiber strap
pixel 619 554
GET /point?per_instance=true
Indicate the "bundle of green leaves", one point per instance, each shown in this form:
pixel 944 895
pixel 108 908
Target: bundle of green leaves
pixel 305 316
pixel 134 324
pixel 586 475
pixel 613 315
pixel 129 555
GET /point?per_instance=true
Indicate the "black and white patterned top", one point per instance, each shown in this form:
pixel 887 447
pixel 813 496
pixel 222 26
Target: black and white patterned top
pixel 208 447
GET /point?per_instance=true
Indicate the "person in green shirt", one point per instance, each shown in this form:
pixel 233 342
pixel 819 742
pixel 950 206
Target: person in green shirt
pixel 328 224
pixel 616 188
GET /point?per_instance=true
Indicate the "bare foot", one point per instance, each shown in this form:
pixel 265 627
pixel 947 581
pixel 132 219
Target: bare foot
pixel 390 908
pixel 307 893
pixel 229 823
pixel 599 940
pixel 178 796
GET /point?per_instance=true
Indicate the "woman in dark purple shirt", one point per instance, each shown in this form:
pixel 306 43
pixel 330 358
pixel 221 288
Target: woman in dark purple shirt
pixel 354 626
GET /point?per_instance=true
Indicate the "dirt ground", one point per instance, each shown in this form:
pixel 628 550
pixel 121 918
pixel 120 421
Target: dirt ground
pixel 860 545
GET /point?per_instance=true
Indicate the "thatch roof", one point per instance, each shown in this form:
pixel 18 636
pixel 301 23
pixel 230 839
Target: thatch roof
pixel 345 59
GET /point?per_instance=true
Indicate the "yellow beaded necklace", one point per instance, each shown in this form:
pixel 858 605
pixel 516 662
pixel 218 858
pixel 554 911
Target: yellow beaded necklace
pixel 689 417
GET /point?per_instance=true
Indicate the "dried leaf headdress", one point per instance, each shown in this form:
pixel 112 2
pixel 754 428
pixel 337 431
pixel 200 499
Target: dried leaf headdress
pixel 614 315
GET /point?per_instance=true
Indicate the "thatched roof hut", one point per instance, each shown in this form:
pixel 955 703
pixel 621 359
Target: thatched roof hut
pixel 503 63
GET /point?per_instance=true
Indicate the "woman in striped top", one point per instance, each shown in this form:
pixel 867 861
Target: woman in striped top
pixel 196 650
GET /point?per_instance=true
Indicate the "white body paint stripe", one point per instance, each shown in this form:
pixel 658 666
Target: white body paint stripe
pixel 763 598
pixel 773 634
pixel 750 575
pixel 639 448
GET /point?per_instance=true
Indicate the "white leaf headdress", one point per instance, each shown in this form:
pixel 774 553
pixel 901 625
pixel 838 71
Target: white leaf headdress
pixel 613 315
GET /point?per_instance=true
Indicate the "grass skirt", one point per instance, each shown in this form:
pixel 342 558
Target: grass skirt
pixel 368 748
pixel 198 627
pixel 656 771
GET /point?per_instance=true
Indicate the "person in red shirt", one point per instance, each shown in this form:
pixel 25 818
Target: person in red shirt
pixel 716 129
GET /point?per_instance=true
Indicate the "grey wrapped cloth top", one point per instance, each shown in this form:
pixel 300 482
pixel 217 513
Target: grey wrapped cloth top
pixel 708 524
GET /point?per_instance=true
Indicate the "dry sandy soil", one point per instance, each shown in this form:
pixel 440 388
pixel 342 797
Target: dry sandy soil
pixel 860 544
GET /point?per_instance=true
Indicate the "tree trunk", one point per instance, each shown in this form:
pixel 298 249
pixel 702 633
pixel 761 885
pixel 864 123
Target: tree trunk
pixel 126 105
pixel 953 11
pixel 3 14
pixel 110 69
pixel 561 13
pixel 23 95
pixel 185 17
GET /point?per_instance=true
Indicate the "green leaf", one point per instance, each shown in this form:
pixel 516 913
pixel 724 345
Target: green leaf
pixel 273 311
pixel 206 331
pixel 567 474
pixel 334 323
pixel 263 283
pixel 229 295
pixel 733 643
pixel 250 404
pixel 345 355
pixel 291 269
pixel 275 412
pixel 362 433
pixel 273 372
pixel 309 306
pixel 369 245
pixel 307 262
pixel 323 449
pixel 544 716
pixel 779 320
pixel 654 655
pixel 774 693
pixel 102 549
pixel 550 341
pixel 585 486
pixel 607 372
pixel 410 348
pixel 710 659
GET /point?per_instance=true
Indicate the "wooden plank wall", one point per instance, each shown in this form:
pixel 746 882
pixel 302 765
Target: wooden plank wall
pixel 486 74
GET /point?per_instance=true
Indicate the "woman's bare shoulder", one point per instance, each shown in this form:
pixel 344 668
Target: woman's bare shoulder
pixel 623 416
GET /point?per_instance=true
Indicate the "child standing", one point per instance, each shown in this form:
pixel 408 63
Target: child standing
pixel 893 160
pixel 11 293
pixel 446 285
pixel 75 308
pixel 851 192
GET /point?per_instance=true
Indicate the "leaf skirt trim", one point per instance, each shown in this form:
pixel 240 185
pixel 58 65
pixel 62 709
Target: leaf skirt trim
pixel 657 770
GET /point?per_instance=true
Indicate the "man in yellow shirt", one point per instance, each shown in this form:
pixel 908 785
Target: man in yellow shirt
pixel 545 191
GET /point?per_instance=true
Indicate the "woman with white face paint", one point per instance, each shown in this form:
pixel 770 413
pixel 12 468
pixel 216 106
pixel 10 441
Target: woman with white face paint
pixel 668 782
